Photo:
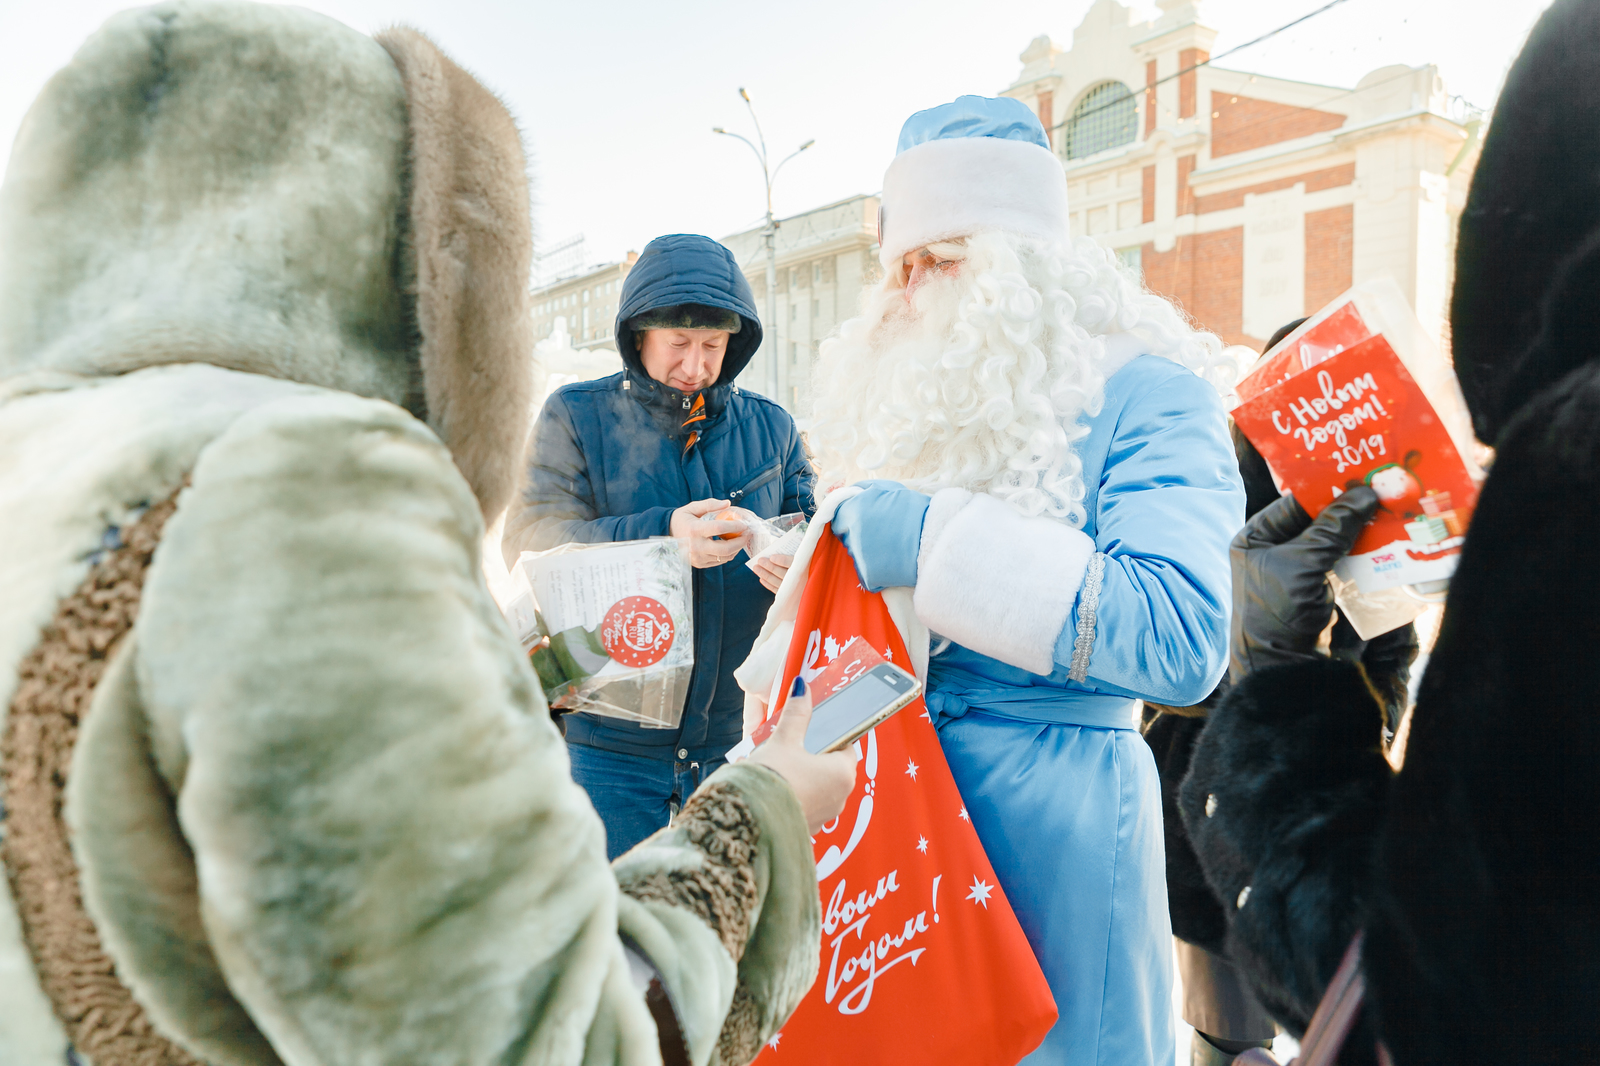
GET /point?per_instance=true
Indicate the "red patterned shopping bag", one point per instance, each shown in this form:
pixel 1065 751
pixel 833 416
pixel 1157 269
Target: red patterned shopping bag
pixel 922 958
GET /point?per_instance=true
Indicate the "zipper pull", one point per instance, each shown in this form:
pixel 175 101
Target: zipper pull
pixel 686 403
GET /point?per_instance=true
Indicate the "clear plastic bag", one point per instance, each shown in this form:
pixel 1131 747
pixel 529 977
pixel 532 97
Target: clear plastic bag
pixel 609 628
pixel 1360 395
pixel 775 536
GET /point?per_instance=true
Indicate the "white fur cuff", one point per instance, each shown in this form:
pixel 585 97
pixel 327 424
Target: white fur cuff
pixel 954 188
pixel 996 581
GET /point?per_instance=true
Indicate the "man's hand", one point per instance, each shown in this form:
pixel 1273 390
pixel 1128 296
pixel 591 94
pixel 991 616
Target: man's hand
pixel 698 534
pixel 822 783
pixel 771 570
pixel 1281 598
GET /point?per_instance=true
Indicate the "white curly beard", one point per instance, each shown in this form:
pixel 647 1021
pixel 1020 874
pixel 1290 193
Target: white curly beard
pixel 981 382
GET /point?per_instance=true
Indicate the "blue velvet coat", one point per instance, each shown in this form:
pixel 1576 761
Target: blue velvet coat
pixel 1060 786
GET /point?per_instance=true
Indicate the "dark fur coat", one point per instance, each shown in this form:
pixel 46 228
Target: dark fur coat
pixel 1286 787
pixel 1483 934
pixel 1198 915
pixel 1476 870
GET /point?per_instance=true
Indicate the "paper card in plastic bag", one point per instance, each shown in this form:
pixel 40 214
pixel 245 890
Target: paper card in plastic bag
pixel 619 625
pixel 1359 418
pixel 1359 394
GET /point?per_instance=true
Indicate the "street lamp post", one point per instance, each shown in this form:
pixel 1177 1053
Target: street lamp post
pixel 769 234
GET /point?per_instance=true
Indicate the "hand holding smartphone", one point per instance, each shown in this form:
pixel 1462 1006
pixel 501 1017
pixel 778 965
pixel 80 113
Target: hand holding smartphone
pixel 856 692
pixel 822 782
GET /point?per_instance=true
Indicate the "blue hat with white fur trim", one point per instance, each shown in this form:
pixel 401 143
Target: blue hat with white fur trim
pixel 975 165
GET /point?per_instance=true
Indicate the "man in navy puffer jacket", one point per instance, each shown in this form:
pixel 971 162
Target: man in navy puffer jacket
pixel 655 451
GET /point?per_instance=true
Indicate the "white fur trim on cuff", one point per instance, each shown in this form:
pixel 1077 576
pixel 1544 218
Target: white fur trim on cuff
pixel 998 582
pixel 961 186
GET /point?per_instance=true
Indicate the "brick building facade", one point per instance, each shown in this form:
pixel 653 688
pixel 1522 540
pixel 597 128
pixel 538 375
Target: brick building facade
pixel 1248 199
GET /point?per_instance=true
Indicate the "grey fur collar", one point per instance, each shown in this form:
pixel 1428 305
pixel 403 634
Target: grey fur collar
pixel 467 255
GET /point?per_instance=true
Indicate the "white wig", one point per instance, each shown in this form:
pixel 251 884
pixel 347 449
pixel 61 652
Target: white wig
pixel 982 380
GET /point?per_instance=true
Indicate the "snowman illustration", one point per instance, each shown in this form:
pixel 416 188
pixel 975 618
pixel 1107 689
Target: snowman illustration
pixel 1400 492
pixel 1398 487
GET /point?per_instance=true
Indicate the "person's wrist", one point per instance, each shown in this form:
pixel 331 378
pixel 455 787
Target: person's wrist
pixel 1256 653
pixel 1260 640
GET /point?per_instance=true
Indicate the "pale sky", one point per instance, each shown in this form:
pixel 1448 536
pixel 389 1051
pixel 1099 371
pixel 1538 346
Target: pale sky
pixel 616 98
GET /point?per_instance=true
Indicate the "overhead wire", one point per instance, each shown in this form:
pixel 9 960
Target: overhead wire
pixel 1317 105
pixel 1203 63
pixel 1337 95
pixel 1210 60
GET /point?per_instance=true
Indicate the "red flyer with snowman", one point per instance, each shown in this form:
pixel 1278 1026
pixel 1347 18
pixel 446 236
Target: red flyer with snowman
pixel 1335 406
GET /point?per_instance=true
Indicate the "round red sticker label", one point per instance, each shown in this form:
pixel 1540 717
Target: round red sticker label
pixel 637 631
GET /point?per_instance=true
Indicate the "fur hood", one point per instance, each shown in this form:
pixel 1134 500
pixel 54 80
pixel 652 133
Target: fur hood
pixel 365 227
pixel 1532 212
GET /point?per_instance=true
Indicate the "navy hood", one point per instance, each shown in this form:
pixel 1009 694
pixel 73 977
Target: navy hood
pixel 685 268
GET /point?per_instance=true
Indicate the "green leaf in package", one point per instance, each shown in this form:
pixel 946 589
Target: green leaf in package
pixel 580 652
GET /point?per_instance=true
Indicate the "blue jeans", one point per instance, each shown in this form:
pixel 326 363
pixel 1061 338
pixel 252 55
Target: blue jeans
pixel 635 794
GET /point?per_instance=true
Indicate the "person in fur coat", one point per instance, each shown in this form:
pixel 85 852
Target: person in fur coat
pixel 1049 472
pixel 279 787
pixel 1216 1000
pixel 1474 871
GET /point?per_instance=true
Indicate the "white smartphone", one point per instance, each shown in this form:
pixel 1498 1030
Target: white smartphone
pixel 865 701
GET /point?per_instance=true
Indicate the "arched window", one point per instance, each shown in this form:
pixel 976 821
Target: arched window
pixel 1107 117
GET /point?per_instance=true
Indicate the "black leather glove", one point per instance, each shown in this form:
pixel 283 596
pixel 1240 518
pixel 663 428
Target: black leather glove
pixel 1281 597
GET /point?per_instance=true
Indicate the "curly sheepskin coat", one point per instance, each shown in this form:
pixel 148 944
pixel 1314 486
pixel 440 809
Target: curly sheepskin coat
pixel 278 786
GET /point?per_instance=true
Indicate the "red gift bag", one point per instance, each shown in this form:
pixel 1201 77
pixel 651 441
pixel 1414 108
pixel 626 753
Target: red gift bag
pixel 922 957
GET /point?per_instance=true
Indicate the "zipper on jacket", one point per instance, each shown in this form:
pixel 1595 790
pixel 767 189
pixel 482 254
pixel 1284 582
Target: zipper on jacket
pixel 762 479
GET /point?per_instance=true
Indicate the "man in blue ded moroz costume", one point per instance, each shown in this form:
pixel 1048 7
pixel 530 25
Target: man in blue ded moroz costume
pixel 1047 466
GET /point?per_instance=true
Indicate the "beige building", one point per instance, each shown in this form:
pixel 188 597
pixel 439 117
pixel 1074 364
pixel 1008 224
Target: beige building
pixel 588 302
pixel 825 258
pixel 1251 200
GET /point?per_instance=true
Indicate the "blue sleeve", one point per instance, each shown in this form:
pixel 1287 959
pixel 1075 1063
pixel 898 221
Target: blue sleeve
pixel 799 478
pixel 557 501
pixel 1170 499
pixel 882 530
